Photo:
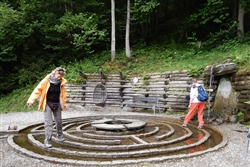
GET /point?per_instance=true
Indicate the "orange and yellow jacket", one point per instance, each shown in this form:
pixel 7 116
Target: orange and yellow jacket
pixel 42 89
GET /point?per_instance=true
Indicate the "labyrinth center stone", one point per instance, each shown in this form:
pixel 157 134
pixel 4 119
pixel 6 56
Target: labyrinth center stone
pixel 118 124
pixel 130 139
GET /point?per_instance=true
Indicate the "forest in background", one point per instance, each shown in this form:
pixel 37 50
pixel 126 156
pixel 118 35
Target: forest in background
pixel 37 35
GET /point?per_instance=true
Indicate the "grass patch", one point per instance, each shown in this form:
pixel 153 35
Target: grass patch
pixel 16 101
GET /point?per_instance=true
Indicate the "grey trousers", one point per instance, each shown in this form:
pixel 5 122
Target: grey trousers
pixel 48 123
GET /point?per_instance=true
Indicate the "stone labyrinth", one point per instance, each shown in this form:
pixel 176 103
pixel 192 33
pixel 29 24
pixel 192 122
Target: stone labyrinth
pixel 118 140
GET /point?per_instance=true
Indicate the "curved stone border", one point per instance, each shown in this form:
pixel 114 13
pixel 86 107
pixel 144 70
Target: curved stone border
pixel 134 153
pixel 19 149
pixel 171 132
pixel 114 162
pixel 91 141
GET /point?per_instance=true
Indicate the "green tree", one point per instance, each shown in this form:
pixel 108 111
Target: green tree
pixel 13 35
pixel 211 24
pixel 244 6
pixel 141 11
pixel 13 32
pixel 80 31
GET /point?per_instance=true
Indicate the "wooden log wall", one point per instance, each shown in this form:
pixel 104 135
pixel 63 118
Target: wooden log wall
pixel 241 82
pixel 171 87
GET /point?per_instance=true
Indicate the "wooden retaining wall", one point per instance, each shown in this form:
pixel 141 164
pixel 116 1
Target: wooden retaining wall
pixel 172 88
pixel 241 82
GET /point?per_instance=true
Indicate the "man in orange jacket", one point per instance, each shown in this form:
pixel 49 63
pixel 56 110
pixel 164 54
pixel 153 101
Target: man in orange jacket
pixel 52 93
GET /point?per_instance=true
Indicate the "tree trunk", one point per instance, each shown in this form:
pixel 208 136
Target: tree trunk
pixel 241 22
pixel 127 42
pixel 113 30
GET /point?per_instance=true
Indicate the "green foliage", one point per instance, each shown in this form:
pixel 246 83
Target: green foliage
pixel 156 58
pixel 242 58
pixel 248 102
pixel 214 13
pixel 81 30
pixel 16 101
pixel 144 79
pixel 192 40
pixel 245 4
pixel 222 36
pixel 240 116
pixel 141 9
pixel 12 32
pixel 36 36
pixel 195 71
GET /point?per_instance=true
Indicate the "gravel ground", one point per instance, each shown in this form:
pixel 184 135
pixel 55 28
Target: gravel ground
pixel 232 155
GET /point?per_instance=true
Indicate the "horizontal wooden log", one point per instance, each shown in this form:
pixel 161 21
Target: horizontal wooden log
pixel 178 81
pixel 177 102
pixel 242 73
pixel 100 107
pixel 176 72
pixel 74 96
pixel 139 105
pixel 149 87
pixel 132 94
pixel 243 100
pixel 143 92
pixel 242 105
pixel 75 93
pixel 89 84
pixel 175 96
pixel 73 87
pixel 176 87
pixel 89 90
pixel 244 110
pixel 183 79
pixel 177 107
pixel 245 92
pixel 92 102
pixel 177 75
pixel 108 97
pixel 242 88
pixel 242 83
pixel 174 101
pixel 245 97
pixel 241 78
pixel 175 90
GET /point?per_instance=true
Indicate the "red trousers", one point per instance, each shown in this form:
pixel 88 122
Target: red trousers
pixel 192 110
pixel 189 141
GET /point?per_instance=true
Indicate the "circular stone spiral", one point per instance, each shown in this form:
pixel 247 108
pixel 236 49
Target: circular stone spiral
pixel 151 139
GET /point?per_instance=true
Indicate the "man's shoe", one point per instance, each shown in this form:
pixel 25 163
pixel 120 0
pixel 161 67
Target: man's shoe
pixel 184 125
pixel 60 139
pixel 200 127
pixel 47 145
